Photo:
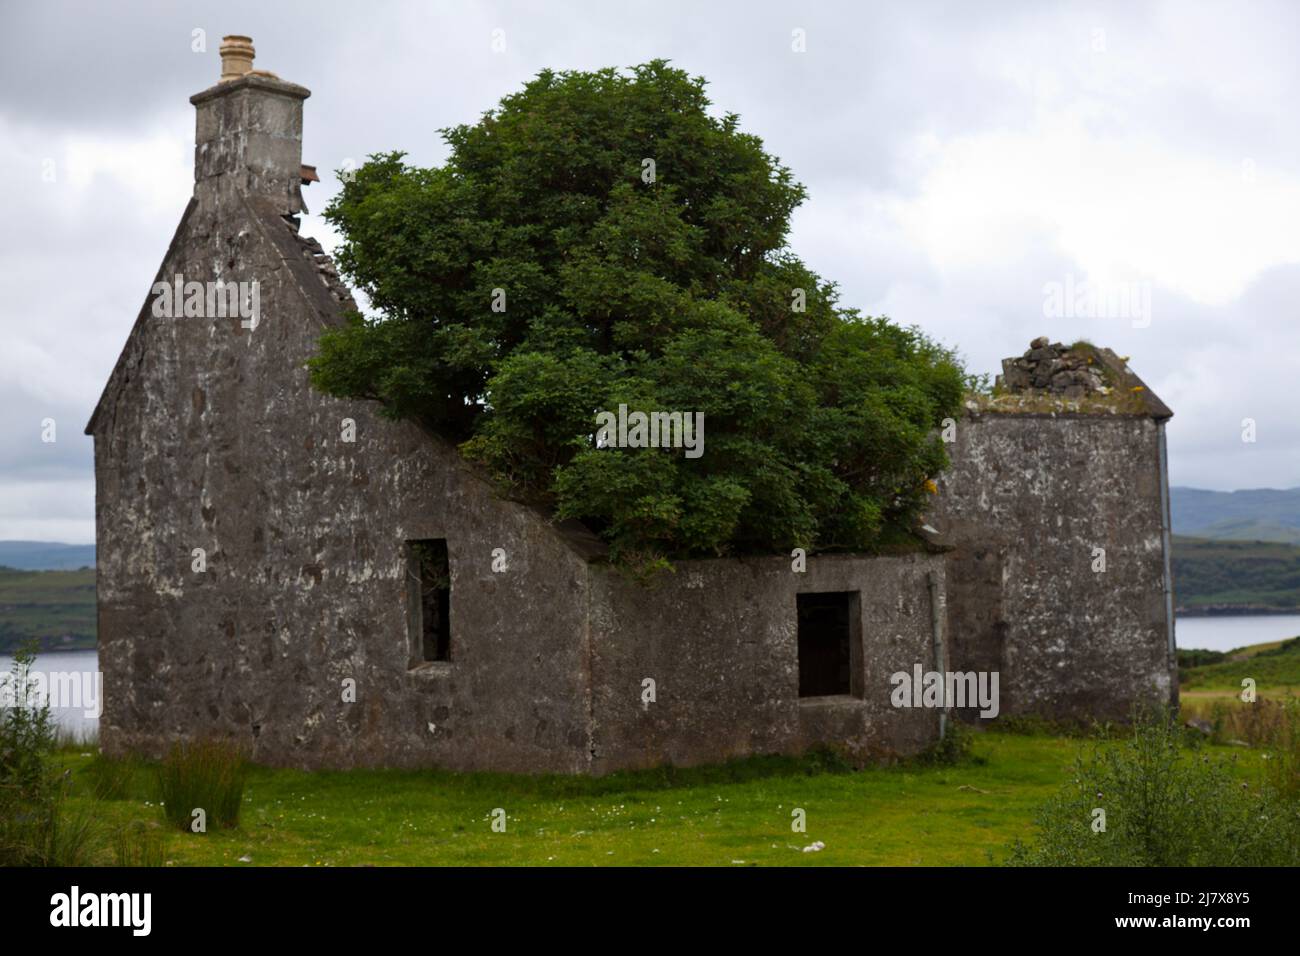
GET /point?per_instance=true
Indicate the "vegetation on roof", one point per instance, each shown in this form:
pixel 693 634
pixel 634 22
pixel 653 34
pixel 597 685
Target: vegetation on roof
pixel 602 239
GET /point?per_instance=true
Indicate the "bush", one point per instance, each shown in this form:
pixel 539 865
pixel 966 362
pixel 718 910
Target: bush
pixel 205 775
pixel 1276 668
pixel 1194 657
pixel 26 730
pixel 1262 723
pixel 36 826
pixel 1282 756
pixel 1163 807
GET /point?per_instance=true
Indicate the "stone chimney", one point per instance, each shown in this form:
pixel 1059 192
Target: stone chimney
pixel 249 132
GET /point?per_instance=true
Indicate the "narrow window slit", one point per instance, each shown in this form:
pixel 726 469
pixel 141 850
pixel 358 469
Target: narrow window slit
pixel 428 583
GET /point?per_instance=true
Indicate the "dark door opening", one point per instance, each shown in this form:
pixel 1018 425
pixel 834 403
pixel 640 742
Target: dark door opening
pixel 828 629
pixel 428 582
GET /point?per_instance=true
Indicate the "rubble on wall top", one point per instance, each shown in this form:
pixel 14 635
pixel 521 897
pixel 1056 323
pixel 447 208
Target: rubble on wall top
pixel 324 267
pixel 1082 379
pixel 1052 367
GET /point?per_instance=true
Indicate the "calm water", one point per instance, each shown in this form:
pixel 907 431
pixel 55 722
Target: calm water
pixel 1206 633
pixel 72 720
pixel 1228 633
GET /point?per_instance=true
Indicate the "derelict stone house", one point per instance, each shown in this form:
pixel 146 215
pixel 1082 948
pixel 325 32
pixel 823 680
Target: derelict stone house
pixel 331 588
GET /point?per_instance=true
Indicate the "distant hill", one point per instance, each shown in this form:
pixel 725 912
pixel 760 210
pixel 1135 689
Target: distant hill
pixel 1243 575
pixel 1276 665
pixel 1255 514
pixel 46 556
pixel 1250 529
pixel 57 608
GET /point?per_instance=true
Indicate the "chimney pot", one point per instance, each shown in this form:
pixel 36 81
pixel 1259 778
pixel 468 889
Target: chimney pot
pixel 236 57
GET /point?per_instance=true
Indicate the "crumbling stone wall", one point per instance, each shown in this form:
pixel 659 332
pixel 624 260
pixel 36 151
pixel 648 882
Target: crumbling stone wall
pixel 209 436
pixel 1053 368
pixel 719 639
pixel 218 442
pixel 252 579
pixel 1029 498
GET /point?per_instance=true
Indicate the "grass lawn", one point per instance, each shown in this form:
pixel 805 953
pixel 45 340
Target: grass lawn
pixel 739 814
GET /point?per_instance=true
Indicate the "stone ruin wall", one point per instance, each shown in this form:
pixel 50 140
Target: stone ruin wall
pixel 1031 495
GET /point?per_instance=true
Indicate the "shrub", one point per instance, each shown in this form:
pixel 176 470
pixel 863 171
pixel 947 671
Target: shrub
pixel 205 775
pixel 26 730
pixel 37 828
pixel 1261 723
pixel 1195 657
pixel 1163 807
pixel 1282 756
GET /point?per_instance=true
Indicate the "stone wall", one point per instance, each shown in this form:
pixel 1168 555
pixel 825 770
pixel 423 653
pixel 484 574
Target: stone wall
pixel 1028 499
pixel 719 638
pixel 210 436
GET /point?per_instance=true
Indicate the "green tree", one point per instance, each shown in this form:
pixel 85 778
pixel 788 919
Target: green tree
pixel 601 239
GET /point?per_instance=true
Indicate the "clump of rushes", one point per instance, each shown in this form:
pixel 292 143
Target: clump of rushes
pixel 110 777
pixel 139 844
pixel 206 775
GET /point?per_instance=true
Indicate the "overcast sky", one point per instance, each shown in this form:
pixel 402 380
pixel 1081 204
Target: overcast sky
pixel 959 157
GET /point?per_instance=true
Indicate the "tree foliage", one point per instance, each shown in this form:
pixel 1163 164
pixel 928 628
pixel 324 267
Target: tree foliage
pixel 666 292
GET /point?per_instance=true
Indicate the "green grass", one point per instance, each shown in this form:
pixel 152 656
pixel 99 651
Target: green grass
pixel 1275 668
pixel 55 607
pixel 968 814
pixel 719 816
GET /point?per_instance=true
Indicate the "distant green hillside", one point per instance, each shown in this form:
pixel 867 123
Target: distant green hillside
pixel 1271 668
pixel 55 607
pixel 1250 529
pixel 1241 573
